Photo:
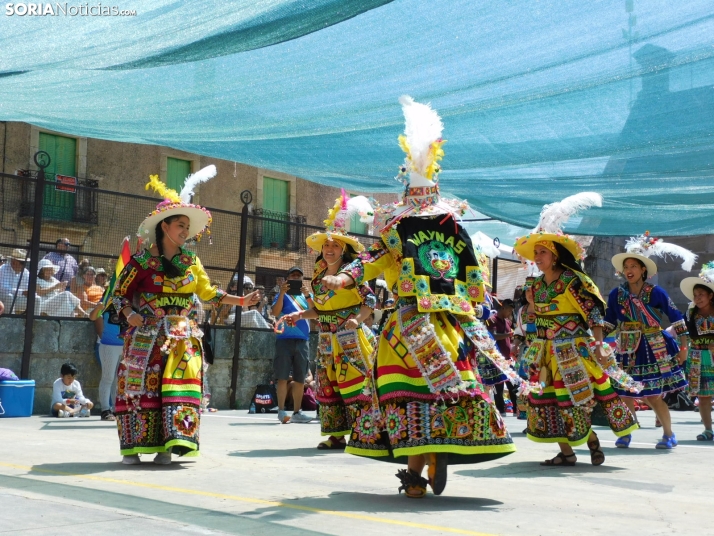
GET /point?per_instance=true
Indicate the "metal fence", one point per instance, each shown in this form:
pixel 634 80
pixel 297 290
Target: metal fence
pixel 252 245
pixel 247 249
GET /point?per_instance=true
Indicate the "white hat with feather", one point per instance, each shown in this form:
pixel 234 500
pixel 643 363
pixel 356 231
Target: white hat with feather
pixel 178 204
pixel 644 247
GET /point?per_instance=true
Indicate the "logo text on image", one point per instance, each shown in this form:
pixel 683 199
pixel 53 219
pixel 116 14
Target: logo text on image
pixel 65 9
pixel 263 399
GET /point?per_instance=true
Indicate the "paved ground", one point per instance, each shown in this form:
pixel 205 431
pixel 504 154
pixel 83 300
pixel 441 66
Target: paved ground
pixel 258 477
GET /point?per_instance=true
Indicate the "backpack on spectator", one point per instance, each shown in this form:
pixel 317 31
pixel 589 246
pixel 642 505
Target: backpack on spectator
pixel 265 398
pixel 679 401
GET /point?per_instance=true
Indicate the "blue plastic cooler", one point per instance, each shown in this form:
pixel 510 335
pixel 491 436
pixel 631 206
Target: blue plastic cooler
pixel 17 398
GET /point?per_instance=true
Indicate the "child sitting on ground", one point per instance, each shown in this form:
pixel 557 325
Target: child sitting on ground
pixel 67 397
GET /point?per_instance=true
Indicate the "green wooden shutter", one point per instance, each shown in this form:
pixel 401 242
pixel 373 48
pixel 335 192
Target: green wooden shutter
pixel 176 172
pixel 63 155
pixel 276 204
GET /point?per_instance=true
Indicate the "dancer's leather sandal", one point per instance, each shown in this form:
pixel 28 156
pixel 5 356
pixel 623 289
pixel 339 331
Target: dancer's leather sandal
pixel 597 456
pixel 331 443
pixel 561 460
pixel 413 484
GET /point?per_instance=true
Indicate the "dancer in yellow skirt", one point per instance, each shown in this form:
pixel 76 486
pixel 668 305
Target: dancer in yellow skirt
pixel 569 347
pixel 434 353
pixel 160 383
pixel 345 345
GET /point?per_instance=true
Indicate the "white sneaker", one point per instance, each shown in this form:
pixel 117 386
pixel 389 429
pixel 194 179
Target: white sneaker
pixel 163 458
pixel 132 459
pixel 300 418
pixel 62 413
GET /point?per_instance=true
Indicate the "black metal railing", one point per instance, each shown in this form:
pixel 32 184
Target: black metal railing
pixel 279 230
pixel 76 204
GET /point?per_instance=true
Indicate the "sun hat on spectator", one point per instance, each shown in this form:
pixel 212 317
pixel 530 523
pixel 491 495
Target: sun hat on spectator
pixel 19 255
pixel 46 263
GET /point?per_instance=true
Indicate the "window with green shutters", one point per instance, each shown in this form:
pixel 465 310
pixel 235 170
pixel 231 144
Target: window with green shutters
pixel 59 205
pixel 276 205
pixel 176 172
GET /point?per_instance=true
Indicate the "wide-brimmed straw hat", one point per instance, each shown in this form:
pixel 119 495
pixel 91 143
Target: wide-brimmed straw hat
pixel 706 278
pixel 345 207
pixel 19 255
pixel 644 247
pixel 549 228
pixel 178 204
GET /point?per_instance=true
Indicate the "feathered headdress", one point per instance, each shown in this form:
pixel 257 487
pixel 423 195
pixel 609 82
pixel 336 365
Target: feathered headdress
pixel 644 247
pixel 421 142
pixel 550 226
pixel 336 223
pixel 178 203
pixel 555 215
pixel 647 246
pixel 346 207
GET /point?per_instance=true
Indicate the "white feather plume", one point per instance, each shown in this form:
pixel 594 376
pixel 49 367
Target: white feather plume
pixel 422 126
pixel 647 246
pixel 635 244
pixel 202 175
pixel 360 205
pixel 554 216
pixel 663 249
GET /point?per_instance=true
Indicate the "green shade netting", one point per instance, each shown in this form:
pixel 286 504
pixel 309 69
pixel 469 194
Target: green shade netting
pixel 539 99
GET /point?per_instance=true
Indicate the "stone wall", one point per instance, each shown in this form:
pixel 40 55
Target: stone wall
pixel 58 341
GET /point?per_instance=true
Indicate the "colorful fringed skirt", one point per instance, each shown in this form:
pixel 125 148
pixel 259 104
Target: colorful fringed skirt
pixel 159 396
pixel 700 370
pixel 562 413
pixel 463 422
pixel 654 365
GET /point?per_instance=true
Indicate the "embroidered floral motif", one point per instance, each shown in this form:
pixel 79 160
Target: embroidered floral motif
pixel 396 422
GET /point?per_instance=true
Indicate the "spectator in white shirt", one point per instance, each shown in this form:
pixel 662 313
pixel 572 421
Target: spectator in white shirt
pixel 14 281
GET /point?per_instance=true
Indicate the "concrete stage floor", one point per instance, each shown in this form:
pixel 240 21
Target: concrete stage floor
pixel 258 477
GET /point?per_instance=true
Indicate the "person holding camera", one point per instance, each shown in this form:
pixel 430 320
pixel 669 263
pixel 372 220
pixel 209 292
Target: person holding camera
pixel 292 345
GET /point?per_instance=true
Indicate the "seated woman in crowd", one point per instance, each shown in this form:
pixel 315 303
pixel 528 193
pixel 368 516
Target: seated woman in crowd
pixel 77 282
pixel 89 293
pixel 53 300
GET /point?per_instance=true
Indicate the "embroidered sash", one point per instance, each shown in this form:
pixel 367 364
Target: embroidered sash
pixel 351 353
pixel 324 349
pixel 534 354
pixel 659 350
pixel 695 370
pixel 136 359
pixel 628 337
pixel 431 358
pixel 572 369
